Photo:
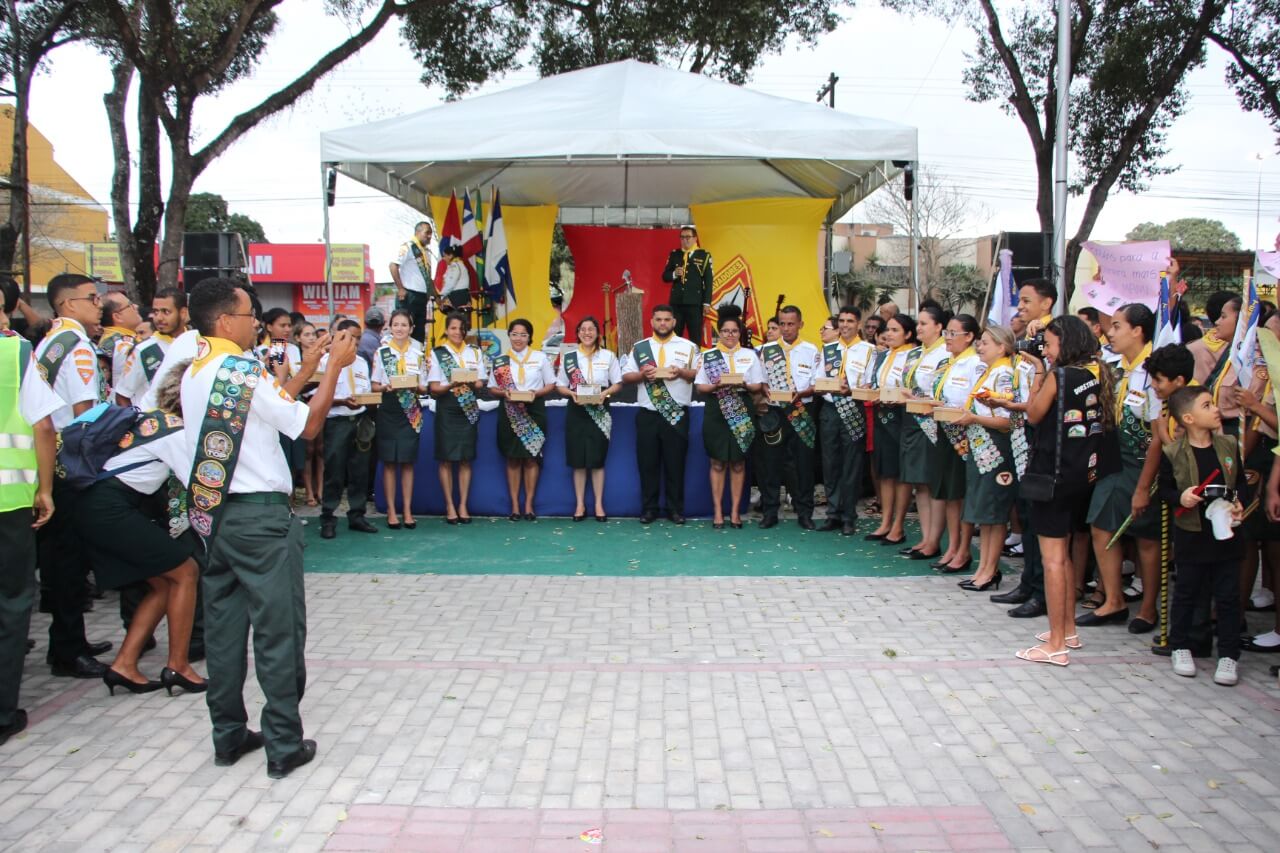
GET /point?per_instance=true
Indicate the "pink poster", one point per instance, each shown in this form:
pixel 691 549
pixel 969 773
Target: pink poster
pixel 1127 272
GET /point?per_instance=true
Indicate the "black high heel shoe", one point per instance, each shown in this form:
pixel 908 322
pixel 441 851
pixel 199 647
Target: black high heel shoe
pixel 948 570
pixel 171 679
pixel 875 537
pixel 601 518
pixel 973 587
pixel 582 517
pixel 114 679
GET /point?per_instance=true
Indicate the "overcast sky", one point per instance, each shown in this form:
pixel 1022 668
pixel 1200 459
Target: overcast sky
pixel 890 67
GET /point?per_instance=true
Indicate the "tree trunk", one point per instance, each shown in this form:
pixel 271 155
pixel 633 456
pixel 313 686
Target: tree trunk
pixel 115 101
pixel 175 215
pixel 19 190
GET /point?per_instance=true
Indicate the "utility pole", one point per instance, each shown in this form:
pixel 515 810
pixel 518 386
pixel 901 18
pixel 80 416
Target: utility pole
pixel 1060 156
pixel 828 90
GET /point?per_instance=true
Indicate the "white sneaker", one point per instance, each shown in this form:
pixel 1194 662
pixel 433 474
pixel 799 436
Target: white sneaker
pixel 1014 539
pixel 1184 664
pixel 1226 674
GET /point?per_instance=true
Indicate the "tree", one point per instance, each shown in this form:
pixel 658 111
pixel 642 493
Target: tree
pixel 1128 66
pixel 960 287
pixel 30 31
pixel 1251 37
pixel 1192 234
pixel 944 215
pixel 869 286
pixel 208 212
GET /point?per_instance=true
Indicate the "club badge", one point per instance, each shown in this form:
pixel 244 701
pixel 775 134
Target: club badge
pixel 217 445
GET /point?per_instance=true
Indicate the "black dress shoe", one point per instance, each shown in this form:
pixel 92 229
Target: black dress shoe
pixel 171 679
pixel 676 518
pixel 328 529
pixel 1029 609
pixel 464 519
pixel 717 525
pixel 515 516
pixel 394 525
pixel 252 740
pixel 285 766
pixel 601 518
pixel 848 530
pixel 1093 620
pixel 1248 645
pixel 1138 625
pixel 907 552
pixel 768 521
pixel 648 517
pixel 102 648
pixel 582 517
pixel 805 522
pixel 829 525
pixel 736 525
pixel 360 524
pixel 1017 595
pixel 411 525
pixel 530 516
pixel 82 667
pixel 19 723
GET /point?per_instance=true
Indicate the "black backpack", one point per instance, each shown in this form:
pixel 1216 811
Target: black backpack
pixel 85 444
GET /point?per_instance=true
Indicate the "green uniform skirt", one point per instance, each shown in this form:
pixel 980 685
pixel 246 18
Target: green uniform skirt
pixel 946 470
pixel 717 437
pixel 125 536
pixel 455 436
pixel 887 454
pixel 1112 502
pixel 397 440
pixel 509 444
pixel 585 445
pixel 916 452
pixel 1256 526
pixel 989 496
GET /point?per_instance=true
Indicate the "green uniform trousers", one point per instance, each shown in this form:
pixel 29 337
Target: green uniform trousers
pixel 254 579
pixel 344 466
pixel 17 595
pixel 843 461
pixel 789 462
pixel 689 322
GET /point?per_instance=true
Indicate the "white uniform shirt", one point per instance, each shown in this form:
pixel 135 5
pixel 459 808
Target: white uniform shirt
pixel 352 379
pixel 676 352
pixel 262 466
pixel 805 362
pixel 79 378
pixel 133 383
pixel 603 369
pixel 961 376
pixel 854 359
pixel 172 453
pixel 470 359
pixel 742 360
pixel 120 351
pixel 183 348
pixel 1000 383
pixel 926 370
pixel 537 371
pixel 1141 397
pixel 36 400
pixel 1025 378
pixel 455 278
pixel 890 373
pixel 411 270
pixel 413 359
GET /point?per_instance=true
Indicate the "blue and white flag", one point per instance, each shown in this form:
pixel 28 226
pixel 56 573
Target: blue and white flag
pixel 1244 348
pixel 1168 327
pixel 1004 301
pixel 497 266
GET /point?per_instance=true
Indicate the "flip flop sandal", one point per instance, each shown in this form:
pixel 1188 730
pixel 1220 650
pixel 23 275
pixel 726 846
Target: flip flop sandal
pixel 1073 642
pixel 1035 654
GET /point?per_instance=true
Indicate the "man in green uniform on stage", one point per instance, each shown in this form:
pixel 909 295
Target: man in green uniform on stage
pixel 690 271
pixel 27 448
pixel 236 412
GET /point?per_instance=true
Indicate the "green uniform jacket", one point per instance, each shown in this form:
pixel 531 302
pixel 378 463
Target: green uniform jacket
pixel 695 288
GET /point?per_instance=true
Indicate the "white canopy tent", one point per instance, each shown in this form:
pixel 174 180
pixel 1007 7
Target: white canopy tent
pixel 624 135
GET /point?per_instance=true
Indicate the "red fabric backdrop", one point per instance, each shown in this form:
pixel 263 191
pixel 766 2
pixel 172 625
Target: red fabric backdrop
pixel 601 253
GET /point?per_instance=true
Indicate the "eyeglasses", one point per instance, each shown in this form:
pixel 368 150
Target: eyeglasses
pixel 949 333
pixel 688 236
pixel 236 314
pixel 95 299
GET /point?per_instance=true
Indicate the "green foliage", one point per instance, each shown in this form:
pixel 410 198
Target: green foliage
pixel 1251 35
pixel 960 287
pixel 208 212
pixel 461 49
pixel 1191 234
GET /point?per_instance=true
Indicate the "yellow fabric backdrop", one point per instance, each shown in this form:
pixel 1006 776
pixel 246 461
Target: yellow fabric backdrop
pixel 777 239
pixel 529 251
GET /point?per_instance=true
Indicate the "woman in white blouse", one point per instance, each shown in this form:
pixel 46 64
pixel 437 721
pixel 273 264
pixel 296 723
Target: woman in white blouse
pixel 587 426
pixel 522 426
pixel 457 412
pixel 955 380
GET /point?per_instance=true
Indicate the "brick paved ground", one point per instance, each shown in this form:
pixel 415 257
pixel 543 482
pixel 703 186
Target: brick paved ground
pixel 690 714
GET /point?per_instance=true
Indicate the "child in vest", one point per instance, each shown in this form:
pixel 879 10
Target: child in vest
pixel 1190 469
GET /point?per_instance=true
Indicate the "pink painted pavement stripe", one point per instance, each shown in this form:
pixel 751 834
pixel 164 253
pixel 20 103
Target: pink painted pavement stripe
pixel 47 709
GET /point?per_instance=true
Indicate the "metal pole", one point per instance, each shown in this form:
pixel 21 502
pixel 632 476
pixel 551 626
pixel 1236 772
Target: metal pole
pixel 328 249
pixel 1257 211
pixel 1060 154
pixel 914 297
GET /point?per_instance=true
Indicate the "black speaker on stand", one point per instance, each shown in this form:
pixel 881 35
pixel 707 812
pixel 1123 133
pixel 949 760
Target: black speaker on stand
pixel 212 255
pixel 1032 254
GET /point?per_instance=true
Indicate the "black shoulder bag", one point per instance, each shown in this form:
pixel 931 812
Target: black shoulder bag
pixel 1040 487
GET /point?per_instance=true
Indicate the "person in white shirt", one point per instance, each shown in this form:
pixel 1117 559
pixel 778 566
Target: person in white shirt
pixel 399 417
pixel 522 425
pixel 666 364
pixel 169 318
pixel 956 378
pixel 414 273
pixel 457 412
pixel 120 319
pixel 899 335
pixel 842 421
pixel 920 431
pixel 587 426
pixel 346 450
pixel 456 288
pixel 303 338
pixel 791 366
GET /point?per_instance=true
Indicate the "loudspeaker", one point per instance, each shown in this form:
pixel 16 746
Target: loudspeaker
pixel 1032 254
pixel 210 255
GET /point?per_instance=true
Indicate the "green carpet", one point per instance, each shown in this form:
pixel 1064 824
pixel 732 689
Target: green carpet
pixel 558 546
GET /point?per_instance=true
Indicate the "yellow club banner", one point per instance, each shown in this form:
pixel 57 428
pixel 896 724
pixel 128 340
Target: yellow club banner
pixel 529 231
pixel 769 248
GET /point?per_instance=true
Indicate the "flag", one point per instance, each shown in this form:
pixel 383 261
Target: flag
pixel 450 235
pixel 472 243
pixel 1168 327
pixel 497 267
pixel 1244 348
pixel 477 261
pixel 1004 301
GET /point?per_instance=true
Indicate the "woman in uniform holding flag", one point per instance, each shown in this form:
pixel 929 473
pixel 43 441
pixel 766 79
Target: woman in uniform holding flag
pixel 587 425
pixel 728 427
pixel 522 427
pixel 399 418
pixel 457 412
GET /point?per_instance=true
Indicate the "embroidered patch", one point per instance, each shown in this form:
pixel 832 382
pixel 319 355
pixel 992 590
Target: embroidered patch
pixel 127 441
pixel 217 445
pixel 1004 478
pixel 86 374
pixel 1095 429
pixel 1077 431
pixel 1093 461
pixel 201 522
pixel 148 427
pixel 54 352
pixel 204 499
pixel 223 374
pixel 211 474
pixel 1073 416
pixel 215 399
pixel 1091 400
pixel 172 421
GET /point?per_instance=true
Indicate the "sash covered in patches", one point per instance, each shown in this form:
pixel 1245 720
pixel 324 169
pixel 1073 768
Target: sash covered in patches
pixel 465 395
pixel 730 399
pixel 659 393
pixel 851 414
pixel 219 441
pixel 408 397
pixel 149 356
pixel 598 411
pixel 778 375
pixel 522 424
pixel 55 355
pixel 149 428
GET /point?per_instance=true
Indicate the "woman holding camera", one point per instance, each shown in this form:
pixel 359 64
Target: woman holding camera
pixel 457 412
pixel 956 378
pixel 899 336
pixel 1071 409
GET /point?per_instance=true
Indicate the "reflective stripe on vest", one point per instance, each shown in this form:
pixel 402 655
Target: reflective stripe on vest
pixel 17 442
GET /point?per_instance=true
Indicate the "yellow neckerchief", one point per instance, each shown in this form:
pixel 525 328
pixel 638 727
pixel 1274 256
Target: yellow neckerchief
pixel 729 353
pixel 161 336
pixel 889 359
pixel 528 354
pixel 401 352
pixel 60 324
pixel 458 351
pixel 1222 377
pixel 1212 341
pixel 215 347
pixel 662 352
pixel 786 354
pixel 422 249
pixel 844 355
pixel 1122 390
pixel 123 332
pixel 911 375
pixel 1002 361
pixel 946 374
pixel 590 368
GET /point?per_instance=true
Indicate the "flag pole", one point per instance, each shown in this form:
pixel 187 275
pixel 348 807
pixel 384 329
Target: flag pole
pixel 1060 154
pixel 328 249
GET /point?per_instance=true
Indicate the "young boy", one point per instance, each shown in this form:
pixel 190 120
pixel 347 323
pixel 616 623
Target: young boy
pixel 346 458
pixel 1202 455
